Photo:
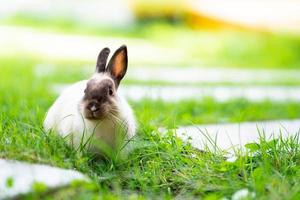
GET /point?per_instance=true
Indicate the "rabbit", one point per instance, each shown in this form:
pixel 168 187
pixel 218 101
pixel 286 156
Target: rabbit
pixel 93 110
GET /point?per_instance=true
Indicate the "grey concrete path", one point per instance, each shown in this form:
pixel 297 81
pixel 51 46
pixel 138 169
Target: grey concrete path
pixel 18 177
pixel 184 75
pixel 194 75
pixel 219 93
pixel 234 136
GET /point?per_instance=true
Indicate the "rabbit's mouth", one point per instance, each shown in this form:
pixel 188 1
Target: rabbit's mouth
pixel 94 111
pixel 94 115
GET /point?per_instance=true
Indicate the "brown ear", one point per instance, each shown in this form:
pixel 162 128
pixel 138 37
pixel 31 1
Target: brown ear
pixel 117 65
pixel 101 61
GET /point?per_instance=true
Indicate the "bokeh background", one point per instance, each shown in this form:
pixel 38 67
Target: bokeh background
pixel 203 61
pixel 173 33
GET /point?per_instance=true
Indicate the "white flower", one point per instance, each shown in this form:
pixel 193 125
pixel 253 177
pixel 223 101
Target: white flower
pixel 242 194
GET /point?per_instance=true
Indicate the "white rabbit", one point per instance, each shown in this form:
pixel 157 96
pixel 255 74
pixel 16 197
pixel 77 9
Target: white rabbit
pixel 92 110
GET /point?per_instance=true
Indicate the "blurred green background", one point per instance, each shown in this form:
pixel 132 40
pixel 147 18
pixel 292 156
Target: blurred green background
pixel 159 33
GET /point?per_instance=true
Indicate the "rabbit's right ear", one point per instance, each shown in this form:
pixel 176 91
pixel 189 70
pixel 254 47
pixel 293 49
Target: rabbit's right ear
pixel 101 61
pixel 117 65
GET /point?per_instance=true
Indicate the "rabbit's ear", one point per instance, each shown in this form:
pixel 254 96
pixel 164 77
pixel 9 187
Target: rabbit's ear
pixel 117 65
pixel 101 61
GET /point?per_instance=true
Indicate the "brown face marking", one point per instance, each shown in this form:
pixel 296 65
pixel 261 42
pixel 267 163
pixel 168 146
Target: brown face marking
pixel 98 100
pixel 98 90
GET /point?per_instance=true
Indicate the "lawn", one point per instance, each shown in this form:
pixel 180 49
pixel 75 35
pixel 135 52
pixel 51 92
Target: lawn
pixel 161 166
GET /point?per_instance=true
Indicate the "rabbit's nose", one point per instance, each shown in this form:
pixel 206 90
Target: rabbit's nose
pixel 94 107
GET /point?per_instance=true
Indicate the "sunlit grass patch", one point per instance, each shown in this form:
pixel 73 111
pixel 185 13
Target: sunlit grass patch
pixel 163 166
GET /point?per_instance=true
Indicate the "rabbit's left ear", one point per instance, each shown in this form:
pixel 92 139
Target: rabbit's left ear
pixel 117 65
pixel 101 61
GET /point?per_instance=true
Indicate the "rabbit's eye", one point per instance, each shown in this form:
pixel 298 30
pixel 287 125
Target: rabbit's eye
pixel 110 91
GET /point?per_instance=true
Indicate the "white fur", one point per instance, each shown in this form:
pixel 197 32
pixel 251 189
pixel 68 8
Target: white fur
pixel 65 117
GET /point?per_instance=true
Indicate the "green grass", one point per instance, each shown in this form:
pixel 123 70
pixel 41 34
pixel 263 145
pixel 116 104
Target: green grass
pixel 191 112
pixel 161 166
pixel 229 48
